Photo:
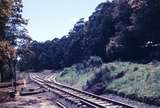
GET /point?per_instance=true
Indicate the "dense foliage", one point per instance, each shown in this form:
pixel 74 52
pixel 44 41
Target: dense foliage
pixel 126 30
pixel 12 34
pixel 126 79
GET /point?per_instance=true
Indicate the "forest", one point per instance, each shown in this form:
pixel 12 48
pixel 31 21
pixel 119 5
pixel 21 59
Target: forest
pixel 121 30
pixel 116 51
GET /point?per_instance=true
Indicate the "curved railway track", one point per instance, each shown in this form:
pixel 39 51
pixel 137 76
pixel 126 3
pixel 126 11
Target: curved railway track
pixel 80 98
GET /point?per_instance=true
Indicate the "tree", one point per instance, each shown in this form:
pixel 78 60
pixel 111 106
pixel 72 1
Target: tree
pixel 5 12
pixel 121 44
pixel 16 33
pixel 7 55
pixel 126 30
pixel 12 33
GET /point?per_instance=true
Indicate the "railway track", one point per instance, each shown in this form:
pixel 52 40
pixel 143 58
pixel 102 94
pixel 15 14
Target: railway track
pixel 77 97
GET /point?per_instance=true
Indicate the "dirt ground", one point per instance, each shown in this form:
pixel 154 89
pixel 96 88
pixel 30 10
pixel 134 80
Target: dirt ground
pixel 41 100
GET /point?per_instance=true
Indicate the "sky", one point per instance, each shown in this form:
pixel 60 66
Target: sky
pixel 49 19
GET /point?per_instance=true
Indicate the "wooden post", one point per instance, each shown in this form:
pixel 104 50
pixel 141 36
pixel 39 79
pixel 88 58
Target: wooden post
pixel 14 71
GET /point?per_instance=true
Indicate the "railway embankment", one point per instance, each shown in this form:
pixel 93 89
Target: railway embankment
pixel 133 81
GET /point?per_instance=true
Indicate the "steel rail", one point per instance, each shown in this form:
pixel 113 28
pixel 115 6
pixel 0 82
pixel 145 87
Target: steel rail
pixel 93 100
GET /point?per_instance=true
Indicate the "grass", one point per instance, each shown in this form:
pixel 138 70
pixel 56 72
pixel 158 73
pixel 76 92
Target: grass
pixel 74 77
pixel 128 78
pixel 142 80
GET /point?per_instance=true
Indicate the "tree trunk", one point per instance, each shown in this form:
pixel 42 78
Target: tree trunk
pixel 2 77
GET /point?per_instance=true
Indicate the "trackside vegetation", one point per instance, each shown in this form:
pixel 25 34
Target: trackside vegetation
pixel 132 80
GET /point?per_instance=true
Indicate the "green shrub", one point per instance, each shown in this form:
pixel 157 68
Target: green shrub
pixel 142 80
pixel 94 61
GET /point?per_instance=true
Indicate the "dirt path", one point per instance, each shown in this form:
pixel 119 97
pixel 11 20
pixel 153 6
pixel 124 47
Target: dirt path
pixel 42 100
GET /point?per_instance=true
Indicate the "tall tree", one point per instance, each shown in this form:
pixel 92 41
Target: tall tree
pixel 5 12
pixel 12 34
pixel 16 33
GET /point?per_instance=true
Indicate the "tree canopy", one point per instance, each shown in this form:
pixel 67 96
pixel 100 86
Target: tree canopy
pixel 126 30
pixel 12 35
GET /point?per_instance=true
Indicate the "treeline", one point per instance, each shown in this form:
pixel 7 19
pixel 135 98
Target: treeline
pixel 12 35
pixel 126 30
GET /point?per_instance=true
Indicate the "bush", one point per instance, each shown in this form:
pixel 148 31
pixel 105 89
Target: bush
pixel 101 75
pixel 94 61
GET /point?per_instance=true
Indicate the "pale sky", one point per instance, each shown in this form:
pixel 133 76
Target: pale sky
pixel 55 18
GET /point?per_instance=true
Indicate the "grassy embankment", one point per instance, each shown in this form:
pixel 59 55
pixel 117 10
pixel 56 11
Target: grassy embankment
pixel 136 81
